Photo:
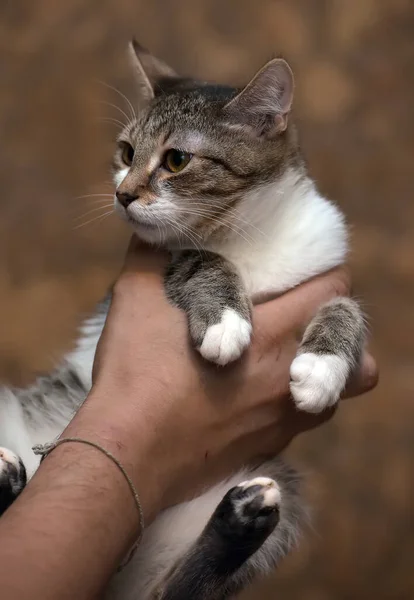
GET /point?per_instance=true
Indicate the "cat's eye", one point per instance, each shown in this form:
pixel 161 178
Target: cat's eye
pixel 127 153
pixel 176 160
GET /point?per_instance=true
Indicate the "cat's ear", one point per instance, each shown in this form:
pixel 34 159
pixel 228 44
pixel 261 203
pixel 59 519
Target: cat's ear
pixel 264 104
pixel 148 69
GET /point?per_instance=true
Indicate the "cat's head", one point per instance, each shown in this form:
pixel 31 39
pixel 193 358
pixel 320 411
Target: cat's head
pixel 195 150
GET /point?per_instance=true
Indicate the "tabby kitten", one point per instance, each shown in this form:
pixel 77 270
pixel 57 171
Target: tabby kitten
pixel 215 175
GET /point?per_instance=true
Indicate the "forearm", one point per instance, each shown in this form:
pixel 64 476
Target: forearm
pixel 77 518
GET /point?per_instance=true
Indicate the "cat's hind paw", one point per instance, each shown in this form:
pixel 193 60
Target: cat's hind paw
pixel 225 341
pixel 12 478
pixel 256 498
pixel 317 380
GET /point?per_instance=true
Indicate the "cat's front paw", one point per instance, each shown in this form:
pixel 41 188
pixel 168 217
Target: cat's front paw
pixel 225 341
pixel 317 380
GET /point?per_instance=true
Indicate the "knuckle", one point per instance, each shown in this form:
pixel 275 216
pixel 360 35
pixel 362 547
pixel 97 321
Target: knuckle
pixel 339 282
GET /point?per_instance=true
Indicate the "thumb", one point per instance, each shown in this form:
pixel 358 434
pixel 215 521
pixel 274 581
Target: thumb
pixel 144 258
pixel 365 379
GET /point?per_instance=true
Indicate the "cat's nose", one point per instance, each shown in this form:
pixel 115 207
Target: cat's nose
pixel 125 198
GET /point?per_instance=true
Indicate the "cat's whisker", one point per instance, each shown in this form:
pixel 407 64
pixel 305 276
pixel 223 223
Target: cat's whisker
pixel 161 231
pixel 192 236
pixel 187 227
pixel 215 219
pixel 211 214
pixel 91 196
pixel 233 213
pixel 95 219
pixel 239 232
pixel 189 234
pixel 128 119
pixel 186 232
pixel 175 229
pixel 93 210
pixel 93 202
pixel 111 87
pixel 112 121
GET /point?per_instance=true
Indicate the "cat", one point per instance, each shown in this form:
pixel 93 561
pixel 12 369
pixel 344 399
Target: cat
pixel 215 175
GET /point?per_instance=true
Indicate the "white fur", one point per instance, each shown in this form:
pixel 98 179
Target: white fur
pixel 291 234
pixel 270 491
pixel 119 176
pixel 317 380
pixel 14 431
pixel 262 481
pixel 20 430
pixel 6 456
pixel 84 353
pixel 224 342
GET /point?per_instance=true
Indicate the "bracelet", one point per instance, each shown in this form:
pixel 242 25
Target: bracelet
pixel 45 449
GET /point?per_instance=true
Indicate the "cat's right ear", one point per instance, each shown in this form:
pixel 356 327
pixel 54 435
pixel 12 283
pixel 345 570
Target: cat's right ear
pixel 148 70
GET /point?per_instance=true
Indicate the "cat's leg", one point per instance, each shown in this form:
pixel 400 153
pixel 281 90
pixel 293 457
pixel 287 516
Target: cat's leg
pixel 210 291
pixel 217 564
pixel 330 351
pixel 12 478
pixel 14 432
pixel 17 461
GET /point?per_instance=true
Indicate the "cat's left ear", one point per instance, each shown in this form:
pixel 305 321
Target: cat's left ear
pixel 148 69
pixel 264 104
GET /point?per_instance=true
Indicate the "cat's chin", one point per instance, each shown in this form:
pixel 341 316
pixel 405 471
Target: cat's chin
pixel 149 233
pixel 161 237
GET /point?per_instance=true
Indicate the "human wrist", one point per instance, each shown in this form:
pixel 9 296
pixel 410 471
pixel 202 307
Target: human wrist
pixel 120 428
pixel 82 501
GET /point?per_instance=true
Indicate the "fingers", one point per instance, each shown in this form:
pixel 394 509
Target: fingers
pixel 292 311
pixel 295 309
pixel 306 421
pixel 365 379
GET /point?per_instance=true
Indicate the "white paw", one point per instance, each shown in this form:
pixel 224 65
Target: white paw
pixel 225 341
pixel 317 380
pixel 8 457
pixel 270 491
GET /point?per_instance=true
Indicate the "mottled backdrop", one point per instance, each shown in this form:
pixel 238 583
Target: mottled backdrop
pixel 354 63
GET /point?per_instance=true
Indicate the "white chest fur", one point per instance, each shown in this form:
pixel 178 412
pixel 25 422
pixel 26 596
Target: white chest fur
pixel 287 233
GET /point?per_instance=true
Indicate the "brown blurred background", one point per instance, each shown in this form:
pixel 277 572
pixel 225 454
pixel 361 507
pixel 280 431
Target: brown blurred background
pixel 354 64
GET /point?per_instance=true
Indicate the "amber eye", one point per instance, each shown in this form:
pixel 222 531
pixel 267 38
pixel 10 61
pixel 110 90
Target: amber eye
pixel 176 160
pixel 127 153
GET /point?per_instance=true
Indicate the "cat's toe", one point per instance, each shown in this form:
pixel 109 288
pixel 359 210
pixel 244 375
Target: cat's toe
pixel 257 501
pixel 12 478
pixel 317 380
pixel 225 341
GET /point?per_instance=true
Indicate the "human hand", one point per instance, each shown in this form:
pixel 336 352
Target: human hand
pixel 191 422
